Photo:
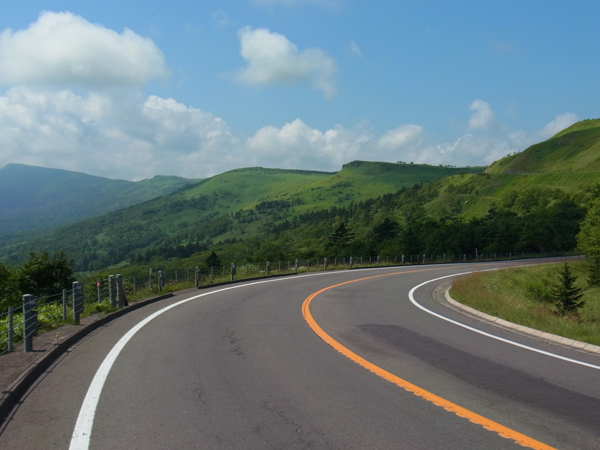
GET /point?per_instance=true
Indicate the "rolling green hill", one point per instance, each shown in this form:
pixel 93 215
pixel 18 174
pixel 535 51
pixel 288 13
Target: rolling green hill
pixel 234 205
pixel 36 197
pixel 567 164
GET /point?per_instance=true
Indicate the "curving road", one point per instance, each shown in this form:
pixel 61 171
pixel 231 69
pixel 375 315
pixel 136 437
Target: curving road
pixel 241 367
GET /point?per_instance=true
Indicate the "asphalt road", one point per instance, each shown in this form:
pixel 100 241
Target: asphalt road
pixel 242 369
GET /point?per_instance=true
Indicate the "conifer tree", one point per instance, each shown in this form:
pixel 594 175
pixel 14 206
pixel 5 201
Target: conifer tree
pixel 566 296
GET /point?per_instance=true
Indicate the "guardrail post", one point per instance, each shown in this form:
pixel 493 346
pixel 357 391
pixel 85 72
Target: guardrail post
pixel 11 329
pixel 77 300
pixel 64 304
pixel 112 291
pixel 121 296
pixel 29 321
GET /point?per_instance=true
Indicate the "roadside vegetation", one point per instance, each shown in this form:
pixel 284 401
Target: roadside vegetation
pixel 527 296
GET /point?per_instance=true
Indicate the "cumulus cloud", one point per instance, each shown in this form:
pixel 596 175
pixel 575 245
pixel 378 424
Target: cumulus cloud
pixel 117 136
pixel 487 140
pixel 483 116
pixel 128 135
pixel 273 59
pixel 65 49
pixel 400 137
pixel 560 123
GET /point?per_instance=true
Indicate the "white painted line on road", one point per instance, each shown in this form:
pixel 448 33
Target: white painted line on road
pixel 80 440
pixel 507 341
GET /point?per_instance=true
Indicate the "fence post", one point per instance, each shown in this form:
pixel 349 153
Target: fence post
pixel 77 301
pixel 64 305
pixel 121 297
pixel 11 328
pixel 29 321
pixel 112 291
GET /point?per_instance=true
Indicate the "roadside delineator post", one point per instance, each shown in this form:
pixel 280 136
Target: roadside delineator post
pixel 112 291
pixel 29 321
pixel 77 301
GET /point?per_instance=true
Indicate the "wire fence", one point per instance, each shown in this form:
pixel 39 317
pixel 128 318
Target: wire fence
pixel 55 310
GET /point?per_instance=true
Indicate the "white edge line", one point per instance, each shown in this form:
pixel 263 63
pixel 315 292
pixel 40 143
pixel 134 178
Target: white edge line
pixel 80 440
pixel 507 341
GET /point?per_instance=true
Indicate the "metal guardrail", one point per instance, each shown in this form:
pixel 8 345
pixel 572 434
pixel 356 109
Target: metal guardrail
pixel 19 325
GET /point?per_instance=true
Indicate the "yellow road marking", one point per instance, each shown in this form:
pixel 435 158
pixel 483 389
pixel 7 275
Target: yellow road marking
pixel 488 424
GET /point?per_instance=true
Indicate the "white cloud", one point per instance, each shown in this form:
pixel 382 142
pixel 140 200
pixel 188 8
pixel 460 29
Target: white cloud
pixel 354 49
pixel 65 49
pixel 483 116
pixel 560 123
pixel 118 136
pixel 273 59
pixel 400 137
pixel 127 135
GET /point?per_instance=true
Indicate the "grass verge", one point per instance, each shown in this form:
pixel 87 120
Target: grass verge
pixel 523 296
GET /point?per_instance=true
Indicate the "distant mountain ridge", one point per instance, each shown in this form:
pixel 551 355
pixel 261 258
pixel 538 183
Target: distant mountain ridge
pixel 233 205
pixel 34 197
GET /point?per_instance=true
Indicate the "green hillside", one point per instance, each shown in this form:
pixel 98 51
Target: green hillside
pixel 575 149
pixel 36 197
pixel 566 165
pixel 234 205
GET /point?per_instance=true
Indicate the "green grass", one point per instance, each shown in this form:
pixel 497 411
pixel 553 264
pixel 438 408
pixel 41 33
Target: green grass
pixel 522 295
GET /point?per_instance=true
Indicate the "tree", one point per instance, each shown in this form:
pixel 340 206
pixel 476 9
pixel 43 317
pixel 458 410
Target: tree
pixel 213 260
pixel 42 275
pixel 340 236
pixel 588 239
pixel 566 296
pixel 8 292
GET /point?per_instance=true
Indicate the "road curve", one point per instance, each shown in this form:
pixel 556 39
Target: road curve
pixel 242 368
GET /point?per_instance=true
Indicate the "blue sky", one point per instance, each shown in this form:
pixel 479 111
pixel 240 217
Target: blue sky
pixel 131 89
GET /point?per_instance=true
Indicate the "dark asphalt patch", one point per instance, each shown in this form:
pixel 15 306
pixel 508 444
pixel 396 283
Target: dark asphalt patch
pixel 491 376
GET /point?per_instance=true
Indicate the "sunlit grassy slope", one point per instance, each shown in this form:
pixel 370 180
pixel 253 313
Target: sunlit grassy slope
pixel 566 164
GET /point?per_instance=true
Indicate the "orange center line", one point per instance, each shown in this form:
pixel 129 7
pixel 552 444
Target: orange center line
pixel 486 423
